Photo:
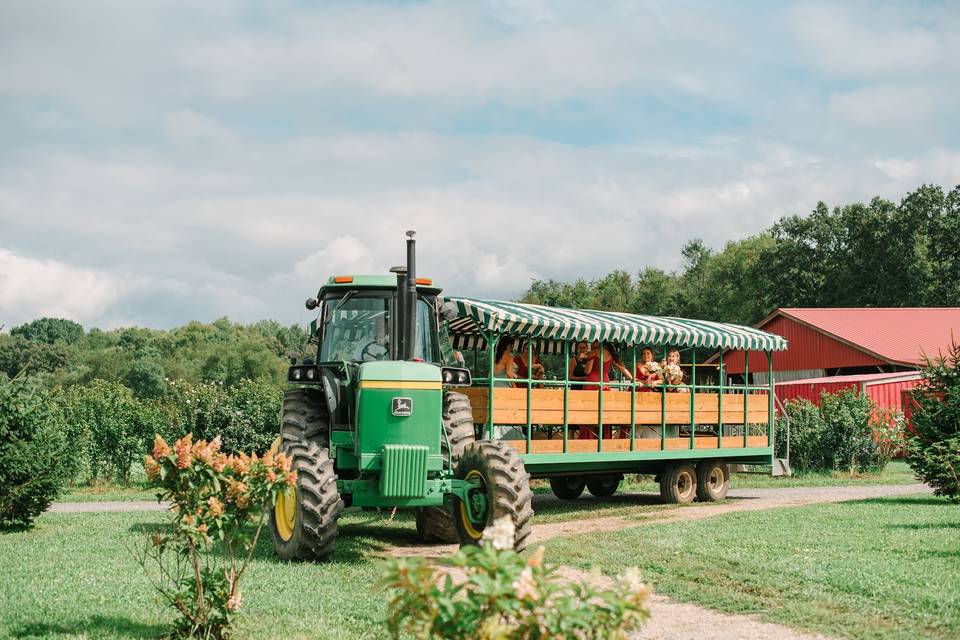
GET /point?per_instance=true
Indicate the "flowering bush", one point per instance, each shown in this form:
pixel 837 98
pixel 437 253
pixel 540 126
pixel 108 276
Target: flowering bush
pixel 846 433
pixel 216 500
pixel 490 592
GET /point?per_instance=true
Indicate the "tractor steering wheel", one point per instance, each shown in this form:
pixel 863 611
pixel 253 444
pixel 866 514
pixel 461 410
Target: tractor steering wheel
pixel 367 354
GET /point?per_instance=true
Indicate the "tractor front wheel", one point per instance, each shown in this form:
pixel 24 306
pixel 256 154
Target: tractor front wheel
pixel 501 488
pixel 435 524
pixel 303 521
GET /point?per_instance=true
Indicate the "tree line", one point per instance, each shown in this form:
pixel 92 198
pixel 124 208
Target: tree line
pixel 880 254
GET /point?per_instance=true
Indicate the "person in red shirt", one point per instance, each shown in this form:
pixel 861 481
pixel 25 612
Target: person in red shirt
pixel 649 373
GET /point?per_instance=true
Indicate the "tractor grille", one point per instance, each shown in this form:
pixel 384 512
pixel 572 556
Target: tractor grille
pixel 404 473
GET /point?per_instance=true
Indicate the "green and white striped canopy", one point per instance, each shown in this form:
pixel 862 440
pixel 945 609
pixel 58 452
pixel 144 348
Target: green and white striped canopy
pixel 469 319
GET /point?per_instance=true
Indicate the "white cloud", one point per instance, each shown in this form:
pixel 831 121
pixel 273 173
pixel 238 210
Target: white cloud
pixel 32 288
pixel 345 254
pixel 890 108
pixel 187 126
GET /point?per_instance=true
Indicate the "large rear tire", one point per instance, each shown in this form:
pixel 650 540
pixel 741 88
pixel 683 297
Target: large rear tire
pixel 678 483
pixel 713 480
pixel 303 522
pixel 567 488
pixel 503 485
pixel 436 524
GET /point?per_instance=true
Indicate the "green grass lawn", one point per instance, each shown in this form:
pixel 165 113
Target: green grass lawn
pixel 883 568
pixel 869 569
pixel 74 576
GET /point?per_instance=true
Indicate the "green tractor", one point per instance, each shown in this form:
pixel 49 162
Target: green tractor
pixel 375 421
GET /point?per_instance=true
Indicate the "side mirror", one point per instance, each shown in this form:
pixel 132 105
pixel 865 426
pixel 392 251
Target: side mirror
pixel 311 304
pixel 293 357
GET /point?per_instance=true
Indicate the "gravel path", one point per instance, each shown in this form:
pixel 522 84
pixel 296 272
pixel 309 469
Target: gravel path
pixel 737 500
pixel 106 507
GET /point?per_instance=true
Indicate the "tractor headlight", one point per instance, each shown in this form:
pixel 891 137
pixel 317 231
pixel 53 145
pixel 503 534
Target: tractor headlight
pixel 455 377
pixel 303 374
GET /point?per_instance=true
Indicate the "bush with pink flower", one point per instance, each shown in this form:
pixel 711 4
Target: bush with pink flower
pixel 219 504
pixel 490 591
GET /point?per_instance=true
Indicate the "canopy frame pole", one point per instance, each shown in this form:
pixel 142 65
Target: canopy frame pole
pixel 663 407
pixel 529 391
pixel 746 391
pixel 600 398
pixel 492 361
pixel 720 404
pixel 566 395
pixel 693 397
pixel 770 400
pixel 633 401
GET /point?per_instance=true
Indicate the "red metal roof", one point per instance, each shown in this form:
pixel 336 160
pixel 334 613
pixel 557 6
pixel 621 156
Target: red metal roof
pixel 898 335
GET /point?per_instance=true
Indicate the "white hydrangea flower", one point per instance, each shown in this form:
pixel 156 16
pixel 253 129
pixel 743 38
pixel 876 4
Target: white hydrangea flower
pixel 525 586
pixel 500 534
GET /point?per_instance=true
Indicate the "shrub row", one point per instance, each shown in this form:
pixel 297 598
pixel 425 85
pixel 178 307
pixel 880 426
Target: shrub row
pixel 845 433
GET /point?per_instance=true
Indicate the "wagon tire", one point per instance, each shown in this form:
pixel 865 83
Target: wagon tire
pixel 678 483
pixel 567 488
pixel 713 480
pixel 604 487
pixel 503 480
pixel 436 524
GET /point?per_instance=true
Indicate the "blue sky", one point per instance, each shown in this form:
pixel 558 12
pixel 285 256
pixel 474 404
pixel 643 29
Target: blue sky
pixel 170 161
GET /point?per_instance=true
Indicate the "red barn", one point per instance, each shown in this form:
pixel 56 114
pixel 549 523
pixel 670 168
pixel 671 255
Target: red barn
pixel 877 350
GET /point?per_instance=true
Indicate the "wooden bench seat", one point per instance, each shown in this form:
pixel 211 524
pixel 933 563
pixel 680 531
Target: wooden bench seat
pixel 546 407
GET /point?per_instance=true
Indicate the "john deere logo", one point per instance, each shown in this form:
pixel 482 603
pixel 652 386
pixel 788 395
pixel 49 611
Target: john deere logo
pixel 402 407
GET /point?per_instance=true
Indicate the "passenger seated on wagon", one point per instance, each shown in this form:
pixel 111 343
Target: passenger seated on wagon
pixel 611 359
pixel 649 371
pixel 537 372
pixel 505 365
pixel 575 370
pixel 672 373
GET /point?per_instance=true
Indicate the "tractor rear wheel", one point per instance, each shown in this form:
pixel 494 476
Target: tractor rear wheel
pixel 604 487
pixel 567 488
pixel 303 521
pixel 678 483
pixel 502 488
pixel 713 480
pixel 435 524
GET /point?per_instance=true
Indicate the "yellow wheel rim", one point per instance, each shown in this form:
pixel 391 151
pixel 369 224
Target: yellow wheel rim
pixel 465 516
pixel 285 513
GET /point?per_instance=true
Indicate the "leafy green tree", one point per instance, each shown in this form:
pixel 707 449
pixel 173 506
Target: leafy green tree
pixel 49 330
pixel 146 379
pixel 18 354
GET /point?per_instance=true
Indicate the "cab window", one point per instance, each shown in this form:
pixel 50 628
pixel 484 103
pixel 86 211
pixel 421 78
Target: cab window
pixel 355 328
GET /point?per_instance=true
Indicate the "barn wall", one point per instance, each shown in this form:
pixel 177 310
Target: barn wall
pixel 890 394
pixel 807 349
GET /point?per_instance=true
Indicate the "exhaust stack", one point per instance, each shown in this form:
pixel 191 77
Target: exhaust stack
pixel 410 300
